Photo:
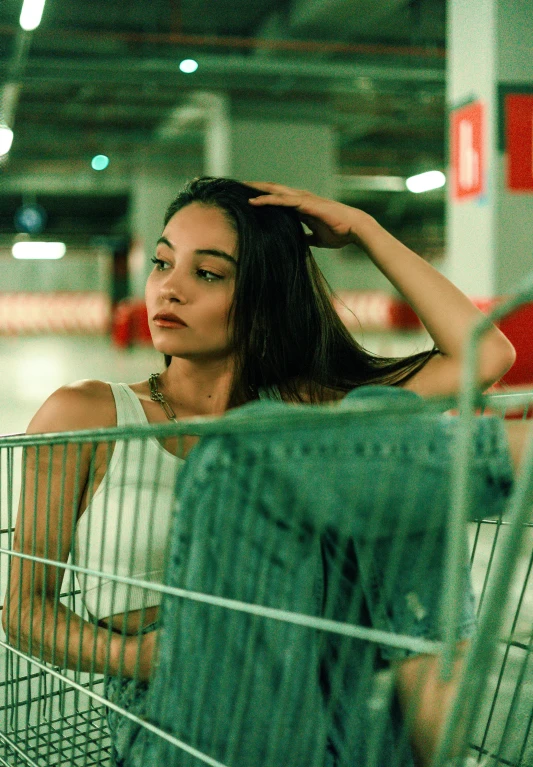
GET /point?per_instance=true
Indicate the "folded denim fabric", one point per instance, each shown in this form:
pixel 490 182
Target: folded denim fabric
pixel 127 737
pixel 345 521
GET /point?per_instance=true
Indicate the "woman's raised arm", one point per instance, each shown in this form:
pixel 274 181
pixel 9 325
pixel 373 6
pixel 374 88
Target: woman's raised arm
pixel 445 311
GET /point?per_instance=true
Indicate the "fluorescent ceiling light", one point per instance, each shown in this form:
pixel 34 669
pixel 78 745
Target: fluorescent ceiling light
pixel 423 182
pixel 6 139
pixel 50 250
pixel 188 66
pixel 31 14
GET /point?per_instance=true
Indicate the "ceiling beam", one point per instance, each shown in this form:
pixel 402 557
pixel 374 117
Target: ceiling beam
pixel 173 40
pixel 146 71
pixel 37 138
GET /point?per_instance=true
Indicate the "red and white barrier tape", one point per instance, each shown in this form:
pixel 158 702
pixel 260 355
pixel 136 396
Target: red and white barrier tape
pixel 34 313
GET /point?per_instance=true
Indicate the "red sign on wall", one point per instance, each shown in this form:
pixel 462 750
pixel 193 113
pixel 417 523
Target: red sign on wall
pixel 519 141
pixel 467 151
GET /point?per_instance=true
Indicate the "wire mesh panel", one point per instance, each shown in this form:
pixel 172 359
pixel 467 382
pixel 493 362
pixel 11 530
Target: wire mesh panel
pixel 504 730
pixel 45 715
pixel 303 584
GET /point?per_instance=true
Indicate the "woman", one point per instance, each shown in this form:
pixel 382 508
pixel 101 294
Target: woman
pixel 239 308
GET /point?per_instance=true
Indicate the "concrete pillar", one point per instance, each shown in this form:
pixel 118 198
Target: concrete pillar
pixel 490 236
pixel 297 153
pixel 153 189
pixel 218 134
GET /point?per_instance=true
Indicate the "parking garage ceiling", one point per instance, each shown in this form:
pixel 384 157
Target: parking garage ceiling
pixel 103 77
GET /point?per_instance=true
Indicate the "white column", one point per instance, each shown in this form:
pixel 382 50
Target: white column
pixel 490 238
pixel 300 154
pixel 152 191
pixel 217 160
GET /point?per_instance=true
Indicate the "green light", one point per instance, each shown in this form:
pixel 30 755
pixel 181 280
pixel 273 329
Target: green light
pixel 100 162
pixel 188 66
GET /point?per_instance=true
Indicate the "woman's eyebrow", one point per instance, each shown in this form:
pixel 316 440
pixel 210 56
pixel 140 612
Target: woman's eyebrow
pixel 164 241
pixel 202 251
pixel 217 253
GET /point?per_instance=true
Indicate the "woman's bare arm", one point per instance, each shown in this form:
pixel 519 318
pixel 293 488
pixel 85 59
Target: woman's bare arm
pixel 445 311
pixel 55 479
pixel 426 700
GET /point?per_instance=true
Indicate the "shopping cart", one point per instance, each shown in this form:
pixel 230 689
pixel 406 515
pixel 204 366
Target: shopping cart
pixel 53 715
pixel 504 730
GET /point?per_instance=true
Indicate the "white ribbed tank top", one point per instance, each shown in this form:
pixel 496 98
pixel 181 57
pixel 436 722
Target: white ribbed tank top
pixel 125 528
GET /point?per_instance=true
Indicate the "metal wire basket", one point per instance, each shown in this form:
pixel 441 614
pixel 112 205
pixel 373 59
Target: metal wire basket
pixel 257 654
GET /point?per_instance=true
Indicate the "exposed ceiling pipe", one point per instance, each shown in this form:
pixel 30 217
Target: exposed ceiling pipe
pixel 234 42
pixel 72 70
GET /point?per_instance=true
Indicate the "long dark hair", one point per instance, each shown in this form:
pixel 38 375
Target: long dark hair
pixel 285 330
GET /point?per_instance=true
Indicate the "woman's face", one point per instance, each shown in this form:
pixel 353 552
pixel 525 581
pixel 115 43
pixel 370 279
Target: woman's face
pixel 190 289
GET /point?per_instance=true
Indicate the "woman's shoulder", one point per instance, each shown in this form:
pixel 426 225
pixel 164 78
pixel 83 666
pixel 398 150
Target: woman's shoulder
pixel 87 404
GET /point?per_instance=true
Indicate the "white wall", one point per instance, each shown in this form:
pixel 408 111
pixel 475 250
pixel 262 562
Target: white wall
pixel 78 270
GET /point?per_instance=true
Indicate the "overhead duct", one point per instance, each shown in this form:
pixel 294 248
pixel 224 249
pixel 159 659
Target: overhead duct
pixel 340 19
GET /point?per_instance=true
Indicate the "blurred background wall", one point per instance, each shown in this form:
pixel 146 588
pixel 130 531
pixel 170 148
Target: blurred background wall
pixel 344 97
pixel 113 106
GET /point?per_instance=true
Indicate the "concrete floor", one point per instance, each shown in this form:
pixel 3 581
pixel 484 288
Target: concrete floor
pixel 32 368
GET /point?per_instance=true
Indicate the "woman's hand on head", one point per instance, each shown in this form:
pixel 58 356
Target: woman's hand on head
pixel 332 224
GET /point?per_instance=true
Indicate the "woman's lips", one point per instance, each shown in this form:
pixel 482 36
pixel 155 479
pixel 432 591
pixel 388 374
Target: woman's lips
pixel 168 321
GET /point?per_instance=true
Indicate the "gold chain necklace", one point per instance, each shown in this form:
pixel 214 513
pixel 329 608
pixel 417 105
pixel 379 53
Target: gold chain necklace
pixel 156 396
